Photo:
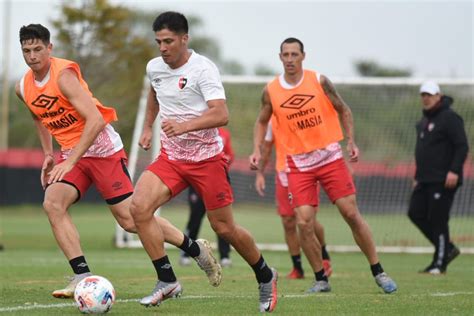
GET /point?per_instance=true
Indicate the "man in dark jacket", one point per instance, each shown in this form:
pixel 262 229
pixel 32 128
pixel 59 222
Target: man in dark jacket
pixel 441 149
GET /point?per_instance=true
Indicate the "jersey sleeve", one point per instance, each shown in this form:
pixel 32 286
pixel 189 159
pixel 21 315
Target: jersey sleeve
pixel 210 83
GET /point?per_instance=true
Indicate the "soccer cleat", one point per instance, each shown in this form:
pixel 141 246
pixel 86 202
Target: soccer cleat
pixel 184 261
pixel 268 293
pixel 327 267
pixel 320 287
pixel 226 262
pixel 161 292
pixel 295 274
pixel 452 254
pixel 433 269
pixel 385 282
pixel 208 263
pixel 68 291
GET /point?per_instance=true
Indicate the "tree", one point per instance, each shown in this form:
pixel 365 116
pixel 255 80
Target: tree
pixel 370 68
pixel 112 57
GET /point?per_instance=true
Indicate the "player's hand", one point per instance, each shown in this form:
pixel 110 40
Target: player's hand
pixel 451 180
pixel 172 128
pixel 254 160
pixel 60 170
pixel 145 139
pixel 353 152
pixel 260 184
pixel 48 164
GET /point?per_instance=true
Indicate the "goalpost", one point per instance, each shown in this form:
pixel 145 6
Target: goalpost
pixel 385 111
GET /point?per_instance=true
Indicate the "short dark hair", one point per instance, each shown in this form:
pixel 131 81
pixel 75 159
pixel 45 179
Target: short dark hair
pixel 173 21
pixel 290 40
pixel 34 31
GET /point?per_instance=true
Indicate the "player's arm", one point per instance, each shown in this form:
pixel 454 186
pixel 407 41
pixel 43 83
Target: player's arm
pixel 152 109
pixel 216 115
pixel 46 141
pixel 266 151
pixel 345 115
pixel 83 103
pixel 260 129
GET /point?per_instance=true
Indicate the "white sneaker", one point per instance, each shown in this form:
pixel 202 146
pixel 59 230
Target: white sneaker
pixel 208 263
pixel 226 262
pixel 268 294
pixel 161 292
pixel 68 291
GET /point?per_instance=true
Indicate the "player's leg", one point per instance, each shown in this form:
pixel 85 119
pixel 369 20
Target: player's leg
pixel 222 222
pixel 288 219
pixel 337 181
pixel 439 205
pixel 197 210
pixel 319 231
pixel 418 211
pixel 58 198
pixel 292 241
pixel 303 193
pixel 211 181
pixel 150 193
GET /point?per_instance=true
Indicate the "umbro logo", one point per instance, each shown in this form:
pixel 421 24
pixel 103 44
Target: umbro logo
pixel 297 101
pixel 45 101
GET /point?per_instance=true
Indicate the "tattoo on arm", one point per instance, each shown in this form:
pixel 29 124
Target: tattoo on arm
pixel 340 106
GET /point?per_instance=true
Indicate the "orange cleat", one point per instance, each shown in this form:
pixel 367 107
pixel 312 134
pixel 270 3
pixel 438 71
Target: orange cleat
pixel 327 268
pixel 295 274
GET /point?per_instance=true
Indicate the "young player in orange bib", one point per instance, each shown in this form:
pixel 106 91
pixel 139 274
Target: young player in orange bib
pixel 305 110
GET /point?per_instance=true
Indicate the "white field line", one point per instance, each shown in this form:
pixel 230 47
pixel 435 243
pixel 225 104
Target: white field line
pixel 193 297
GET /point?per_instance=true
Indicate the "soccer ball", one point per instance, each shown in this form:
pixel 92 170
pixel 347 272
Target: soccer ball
pixel 94 295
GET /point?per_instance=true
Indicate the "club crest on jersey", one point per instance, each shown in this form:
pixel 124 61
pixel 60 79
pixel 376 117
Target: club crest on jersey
pixel 431 127
pixel 182 82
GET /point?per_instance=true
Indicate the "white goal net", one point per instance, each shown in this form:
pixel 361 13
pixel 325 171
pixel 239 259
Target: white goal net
pixel 385 112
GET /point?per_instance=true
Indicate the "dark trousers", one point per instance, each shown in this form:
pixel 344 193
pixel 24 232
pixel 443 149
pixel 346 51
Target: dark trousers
pixel 197 212
pixel 430 205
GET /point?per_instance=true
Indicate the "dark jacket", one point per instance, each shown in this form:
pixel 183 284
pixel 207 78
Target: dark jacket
pixel 441 144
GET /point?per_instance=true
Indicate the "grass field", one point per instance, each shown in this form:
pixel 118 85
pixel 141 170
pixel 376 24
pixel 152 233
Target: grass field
pixel 32 266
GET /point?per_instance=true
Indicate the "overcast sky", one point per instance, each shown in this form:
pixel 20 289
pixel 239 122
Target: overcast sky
pixel 433 38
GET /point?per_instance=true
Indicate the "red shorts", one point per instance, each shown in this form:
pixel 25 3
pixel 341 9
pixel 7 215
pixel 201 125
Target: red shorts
pixel 209 178
pixel 109 174
pixel 334 177
pixel 281 198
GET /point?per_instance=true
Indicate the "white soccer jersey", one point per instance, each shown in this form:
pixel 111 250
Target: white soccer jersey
pixel 182 94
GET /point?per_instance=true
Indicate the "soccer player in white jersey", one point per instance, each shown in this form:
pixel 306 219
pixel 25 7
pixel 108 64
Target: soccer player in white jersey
pixel 187 92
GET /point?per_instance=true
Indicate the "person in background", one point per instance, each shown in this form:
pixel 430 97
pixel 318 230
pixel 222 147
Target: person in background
pixel 305 110
pixel 287 214
pixel 440 151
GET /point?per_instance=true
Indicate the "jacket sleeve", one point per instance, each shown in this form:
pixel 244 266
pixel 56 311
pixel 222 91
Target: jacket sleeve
pixel 458 137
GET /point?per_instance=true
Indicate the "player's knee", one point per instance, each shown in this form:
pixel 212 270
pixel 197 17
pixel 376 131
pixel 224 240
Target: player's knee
pixel 128 225
pixel 224 230
pixel 305 228
pixel 52 206
pixel 137 210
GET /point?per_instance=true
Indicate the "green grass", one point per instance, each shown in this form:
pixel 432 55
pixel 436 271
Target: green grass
pixel 32 266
